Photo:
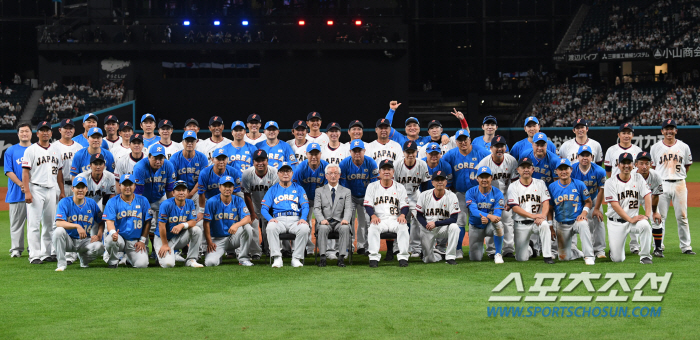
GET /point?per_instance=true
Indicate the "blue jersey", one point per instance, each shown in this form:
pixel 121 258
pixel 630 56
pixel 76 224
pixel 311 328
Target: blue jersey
pixel 172 215
pixel 357 178
pixel 85 215
pixel 279 153
pixel 464 167
pixel 80 139
pixel 479 142
pixel 544 167
pixel 152 183
pixel 147 142
pixel 208 183
pixel 241 157
pixel 222 216
pixel 480 204
pixel 441 166
pixel 310 179
pixel 188 170
pixel 128 218
pixel 81 162
pixel 399 137
pixel 522 147
pixel 568 201
pixel 594 179
pixel 13 163
pixel 281 201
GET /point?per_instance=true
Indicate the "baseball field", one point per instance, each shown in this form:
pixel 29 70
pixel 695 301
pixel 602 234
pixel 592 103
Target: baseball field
pixel 418 302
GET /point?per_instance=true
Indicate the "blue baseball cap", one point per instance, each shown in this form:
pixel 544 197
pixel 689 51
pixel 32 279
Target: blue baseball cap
pixel 88 116
pixel 412 120
pixel 226 179
pixel 236 124
pixel 79 179
pixel 460 133
pixel 285 165
pixel 432 147
pixel 273 124
pixel 563 162
pixel 356 144
pixel 531 119
pixel 148 116
pixel 189 134
pixel 584 148
pixel 126 178
pixel 156 150
pixel 219 152
pixel 539 137
pixel 313 146
pixel 180 183
pixel 489 119
pixel 484 170
pixel 95 130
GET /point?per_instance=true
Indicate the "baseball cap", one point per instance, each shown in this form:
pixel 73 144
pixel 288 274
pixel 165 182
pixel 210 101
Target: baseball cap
pixel 285 165
pixel 165 122
pixel 531 119
pixel 489 119
pixel 386 162
pixel 299 123
pixel 643 155
pixel 43 124
pixel 484 170
pixel 433 123
pixel 136 136
pixel 148 116
pixel 668 122
pixel 383 121
pixel 219 152
pixel 66 122
pixel 412 120
pixel 259 154
pixel 625 157
pixel 226 179
pixel 126 178
pixel 236 124
pixel 584 148
pixel 95 130
pixel 215 119
pixel 539 137
pixel 626 126
pixel 439 174
pixel 312 115
pixel 253 116
pixel 563 162
pixel 97 157
pixel 432 147
pixel 88 116
pixel 79 179
pixel 111 118
pixel 180 183
pixel 356 123
pixel 191 121
pixel 356 144
pixel 333 125
pixel 525 160
pixel 156 150
pixel 125 124
pixel 410 145
pixel 189 134
pixel 272 124
pixel 581 121
pixel 460 133
pixel 498 140
pixel 313 146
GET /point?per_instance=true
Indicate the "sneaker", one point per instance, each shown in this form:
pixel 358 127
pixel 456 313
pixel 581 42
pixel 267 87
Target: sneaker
pixel 255 257
pixel 635 251
pixel 246 263
pixel 49 259
pixel 296 263
pixel 373 263
pixel 60 269
pixel 658 253
pixel 460 254
pixel 15 253
pixel 37 261
pixel 452 262
pixel 689 252
pixel 389 256
pixel 179 258
pixel 278 262
pixel 332 256
pixel 84 265
pixel 645 260
pixel 439 251
pixel 548 260
pixel 509 255
pixel 498 258
pixel 123 260
pixel 403 263
pixel 589 261
pixel 601 255
pixel 193 263
pixel 415 254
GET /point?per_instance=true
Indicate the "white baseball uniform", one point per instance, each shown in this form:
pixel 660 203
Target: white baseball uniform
pixel 97 190
pixel 443 148
pixel 435 210
pixel 503 174
pixel 387 204
pixel 569 150
pixel 119 150
pixel 321 139
pixel 207 146
pixel 411 178
pixel 670 161
pixel 299 150
pixel 529 198
pixel 612 157
pixel 112 144
pixel 335 156
pixel 260 138
pixel 379 152
pixel 44 165
pixel 630 195
pixel 125 165
pixel 66 153
pixel 257 186
pixel 171 148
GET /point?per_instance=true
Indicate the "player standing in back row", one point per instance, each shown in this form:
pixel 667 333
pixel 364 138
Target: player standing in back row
pixel 15 188
pixel 569 149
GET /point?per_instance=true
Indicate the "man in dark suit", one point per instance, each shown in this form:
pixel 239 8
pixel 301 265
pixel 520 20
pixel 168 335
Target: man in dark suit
pixel 333 211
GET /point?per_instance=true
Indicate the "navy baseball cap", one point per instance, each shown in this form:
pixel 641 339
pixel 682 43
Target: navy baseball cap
pixel 432 147
pixel 563 162
pixel 460 133
pixel 333 125
pixel 434 123
pixel 439 174
pixel 383 121
pixel 626 126
pixel 539 137
pixel 111 118
pixel 313 115
pixel 97 157
pixel 313 146
pixel 226 179
pixel 180 183
pixel 356 144
pixel 191 121
pixel 355 123
pixel 189 134
pixel 386 162
pixel 584 148
pixel 95 130
pixel 668 122
pixel 285 165
pixel 253 116
pixel 43 124
pixel 66 122
pixel 156 150
pixel 238 124
pixel 126 178
pixel 489 119
pixel 484 170
pixel 88 116
pixel 410 145
pixel 644 155
pixel 581 121
pixel 165 122
pixel 299 123
pixel 271 124
pixel 411 120
pixel 498 140
pixel 125 124
pixel 78 180
pixel 525 160
pixel 148 116
pixel 136 136
pixel 531 119
pixel 625 157
pixel 258 154
pixel 219 152
pixel 215 120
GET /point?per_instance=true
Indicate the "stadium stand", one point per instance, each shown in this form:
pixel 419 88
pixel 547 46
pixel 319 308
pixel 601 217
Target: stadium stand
pixel 72 100
pixel 679 103
pixel 17 96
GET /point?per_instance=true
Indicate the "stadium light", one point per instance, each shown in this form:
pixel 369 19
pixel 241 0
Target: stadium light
pixel 217 22
pixel 329 22
pixel 358 22
pixel 186 23
pixel 244 22
pixel 302 22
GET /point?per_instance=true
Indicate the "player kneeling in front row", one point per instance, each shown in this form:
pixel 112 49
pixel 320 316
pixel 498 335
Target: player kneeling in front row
pixel 386 203
pixel 226 225
pixel 128 222
pixel 437 211
pixel 75 217
pixel 623 192
pixel 485 204
pixel 529 199
pixel 177 229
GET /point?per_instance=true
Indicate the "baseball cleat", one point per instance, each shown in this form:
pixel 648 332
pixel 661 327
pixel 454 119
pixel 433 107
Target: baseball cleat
pixel 193 263
pixel 286 254
pixel 373 263
pixel 15 253
pixel 68 263
pixel 112 266
pixel 361 251
pixel 452 262
pixel 533 250
pixel 389 256
pixel 246 263
pixel 37 261
pixel 332 256
pixel 60 269
pixel 296 263
pixel 278 262
pixel 50 259
pixel 341 261
pixel 415 254
pixel 179 258
pixel 403 263
pixel 498 258
pixel 255 257
pixel 601 255
pixel 645 260
pixel 492 256
pixel 322 262
pixel 460 254
pixel 123 260
pixel 589 261
pixel 635 251
pixel 689 252
pixel 439 251
pixel 84 265
pixel 658 253
pixel 509 255
pixel 548 260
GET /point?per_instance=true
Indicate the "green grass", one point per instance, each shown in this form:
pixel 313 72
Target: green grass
pixel 3 178
pixel 231 301
pixel 693 175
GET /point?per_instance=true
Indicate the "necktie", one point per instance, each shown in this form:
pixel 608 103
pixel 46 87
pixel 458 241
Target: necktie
pixel 332 195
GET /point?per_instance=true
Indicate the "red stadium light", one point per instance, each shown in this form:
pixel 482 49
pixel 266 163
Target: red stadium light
pixel 302 22
pixel 329 22
pixel 358 22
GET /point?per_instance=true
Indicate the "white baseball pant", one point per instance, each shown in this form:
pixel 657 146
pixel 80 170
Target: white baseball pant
pixel 566 232
pixel 18 215
pixel 428 238
pixel 68 189
pixel 138 259
pixel 40 219
pixel 87 251
pixel 462 219
pixel 387 226
pixel 508 235
pixel 255 226
pixel 523 232
pixel 414 232
pixel 155 210
pixel 191 237
pixel 617 235
pixel 676 192
pixel 287 224
pixel 362 221
pixel 476 239
pixel 322 231
pixel 597 228
pixel 239 241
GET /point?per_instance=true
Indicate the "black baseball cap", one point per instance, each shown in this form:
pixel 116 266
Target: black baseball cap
pixel 313 114
pixel 498 140
pixel 626 126
pixel 625 156
pixel 254 116
pixel 333 125
pixel 581 121
pixel 439 174
pixel 299 123
pixel 191 121
pixel 43 124
pixel 383 121
pixel 644 155
pixel 411 120
pixel 433 123
pixel 386 162
pixel 215 119
pixel 125 124
pixel 65 122
pixel 259 154
pixel 180 183
pixel 136 136
pixel 111 118
pixel 489 119
pixel 410 145
pixel 356 123
pixel 97 157
pixel 165 122
pixel 525 160
pixel 668 122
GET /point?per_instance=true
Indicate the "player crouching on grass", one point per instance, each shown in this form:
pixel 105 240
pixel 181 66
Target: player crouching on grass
pixel 437 211
pixel 386 203
pixel 485 204
pixel 623 193
pixel 75 217
pixel 177 229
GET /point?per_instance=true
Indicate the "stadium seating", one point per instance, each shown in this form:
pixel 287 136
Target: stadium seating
pixel 20 94
pixel 679 103
pixel 91 104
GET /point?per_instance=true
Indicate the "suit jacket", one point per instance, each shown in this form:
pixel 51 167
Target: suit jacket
pixel 326 209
